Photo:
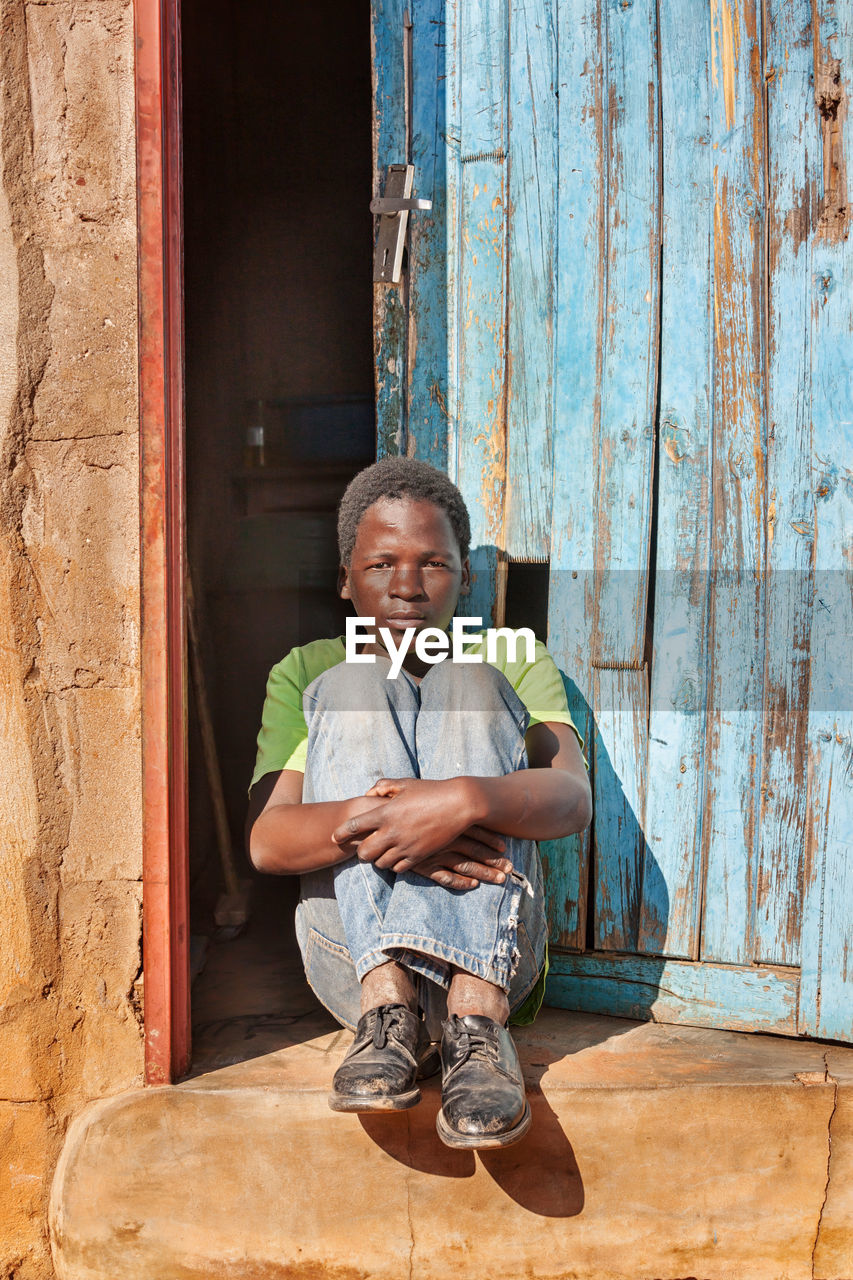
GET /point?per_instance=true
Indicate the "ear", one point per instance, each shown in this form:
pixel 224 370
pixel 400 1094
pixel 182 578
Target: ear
pixel 343 582
pixel 465 586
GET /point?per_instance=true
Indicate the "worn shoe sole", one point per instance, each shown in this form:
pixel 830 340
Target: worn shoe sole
pixel 376 1102
pixel 429 1066
pixel 483 1141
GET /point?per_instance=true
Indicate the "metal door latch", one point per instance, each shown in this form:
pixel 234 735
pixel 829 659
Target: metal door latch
pixel 393 209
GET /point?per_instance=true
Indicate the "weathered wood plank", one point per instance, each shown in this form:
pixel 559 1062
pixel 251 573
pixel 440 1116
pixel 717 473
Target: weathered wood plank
pixel 578 347
pixel 625 457
pixel 619 773
pixel 826 997
pixel 736 639
pixel 481 302
pixel 794 157
pixel 429 282
pixel 452 220
pixel 483 71
pixel 676 746
pixel 699 995
pixel 390 302
pixel 826 1002
pixel 532 230
pixel 482 375
pixel 629 369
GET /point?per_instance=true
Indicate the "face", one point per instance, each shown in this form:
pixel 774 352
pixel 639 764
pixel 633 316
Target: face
pixel 406 570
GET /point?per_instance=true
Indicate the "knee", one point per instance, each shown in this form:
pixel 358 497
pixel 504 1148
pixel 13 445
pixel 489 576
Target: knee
pixel 351 686
pixel 475 686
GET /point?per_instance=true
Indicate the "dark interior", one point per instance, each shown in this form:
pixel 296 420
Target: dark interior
pixel 278 301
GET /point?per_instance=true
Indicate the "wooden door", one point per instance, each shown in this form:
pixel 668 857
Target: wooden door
pixel 625 331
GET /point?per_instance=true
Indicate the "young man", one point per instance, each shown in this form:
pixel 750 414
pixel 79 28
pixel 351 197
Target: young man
pixel 410 807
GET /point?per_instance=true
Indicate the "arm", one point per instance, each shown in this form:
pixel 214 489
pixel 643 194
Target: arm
pixel 282 839
pixel 548 800
pixel 285 836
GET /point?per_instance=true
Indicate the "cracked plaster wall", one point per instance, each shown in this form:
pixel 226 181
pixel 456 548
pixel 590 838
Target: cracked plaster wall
pixel 70 807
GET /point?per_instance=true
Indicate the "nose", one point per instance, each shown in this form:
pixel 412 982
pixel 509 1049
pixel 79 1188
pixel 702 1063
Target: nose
pixel 407 584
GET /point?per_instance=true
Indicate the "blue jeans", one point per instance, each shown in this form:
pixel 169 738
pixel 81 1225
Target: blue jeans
pixel 461 719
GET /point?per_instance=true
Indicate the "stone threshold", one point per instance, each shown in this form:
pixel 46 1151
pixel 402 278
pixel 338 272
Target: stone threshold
pixel 656 1153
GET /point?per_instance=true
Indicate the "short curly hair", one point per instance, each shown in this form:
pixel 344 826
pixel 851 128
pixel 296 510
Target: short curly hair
pixel 397 477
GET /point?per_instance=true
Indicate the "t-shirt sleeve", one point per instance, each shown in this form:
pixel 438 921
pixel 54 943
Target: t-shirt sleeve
pixel 542 691
pixel 283 739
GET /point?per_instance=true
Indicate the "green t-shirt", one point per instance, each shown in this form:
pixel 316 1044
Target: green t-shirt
pixel 283 739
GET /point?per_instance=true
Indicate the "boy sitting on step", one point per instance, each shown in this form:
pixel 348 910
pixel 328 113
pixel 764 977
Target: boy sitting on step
pixel 410 808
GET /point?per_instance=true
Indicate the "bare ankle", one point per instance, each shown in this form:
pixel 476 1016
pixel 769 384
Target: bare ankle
pixel 387 984
pixel 469 994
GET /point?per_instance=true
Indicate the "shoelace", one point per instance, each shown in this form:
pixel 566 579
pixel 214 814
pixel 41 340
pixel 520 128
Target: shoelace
pixel 475 1044
pixel 386 1019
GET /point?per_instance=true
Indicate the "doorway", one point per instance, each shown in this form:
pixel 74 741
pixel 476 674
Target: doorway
pixel 277 170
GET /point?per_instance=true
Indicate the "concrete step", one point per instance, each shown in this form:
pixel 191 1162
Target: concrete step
pixel 656 1153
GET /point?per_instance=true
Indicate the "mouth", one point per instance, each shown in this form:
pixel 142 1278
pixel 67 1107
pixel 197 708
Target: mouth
pixel 399 621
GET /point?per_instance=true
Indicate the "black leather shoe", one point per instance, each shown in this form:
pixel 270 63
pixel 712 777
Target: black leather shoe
pixel 390 1052
pixel 482 1090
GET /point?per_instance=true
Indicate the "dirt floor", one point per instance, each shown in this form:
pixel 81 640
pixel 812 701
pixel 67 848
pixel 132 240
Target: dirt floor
pixel 251 997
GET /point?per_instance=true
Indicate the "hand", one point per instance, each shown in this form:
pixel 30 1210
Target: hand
pixel 416 817
pixel 389 787
pixel 421 820
pixel 456 870
pixel 469 861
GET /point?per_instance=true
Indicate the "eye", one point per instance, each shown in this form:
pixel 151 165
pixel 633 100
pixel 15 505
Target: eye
pixel 436 564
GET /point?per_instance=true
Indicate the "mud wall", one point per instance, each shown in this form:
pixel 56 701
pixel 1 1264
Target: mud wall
pixel 70 845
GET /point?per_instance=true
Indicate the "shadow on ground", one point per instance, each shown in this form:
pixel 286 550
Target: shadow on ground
pixel 540 1173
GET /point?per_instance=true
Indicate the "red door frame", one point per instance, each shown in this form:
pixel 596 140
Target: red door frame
pixel 165 879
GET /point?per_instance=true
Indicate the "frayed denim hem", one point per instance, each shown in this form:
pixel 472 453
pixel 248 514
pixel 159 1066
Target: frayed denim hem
pixel 420 955
pixel 432 958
